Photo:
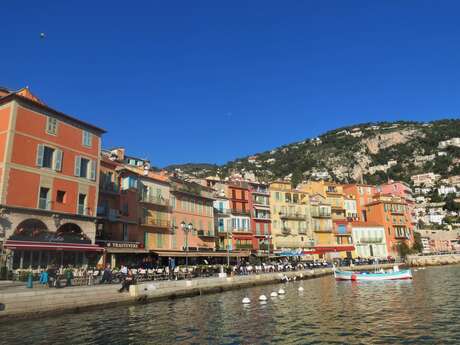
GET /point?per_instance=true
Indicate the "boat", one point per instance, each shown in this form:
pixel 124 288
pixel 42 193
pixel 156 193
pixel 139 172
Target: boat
pixel 395 274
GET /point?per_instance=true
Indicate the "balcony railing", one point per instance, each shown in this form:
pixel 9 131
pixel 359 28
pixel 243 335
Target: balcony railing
pixel 261 191
pixel 222 211
pixel 155 222
pixel 323 229
pixel 286 231
pixel 292 215
pixel 302 231
pixel 109 187
pixel 204 233
pixel 241 230
pixel 154 199
pixel 261 216
pixel 371 240
pixel 241 212
pixel 243 246
pixel 321 214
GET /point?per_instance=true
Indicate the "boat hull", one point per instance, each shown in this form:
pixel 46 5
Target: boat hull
pixel 365 276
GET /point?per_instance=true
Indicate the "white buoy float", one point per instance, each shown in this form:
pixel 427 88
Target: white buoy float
pixel 246 300
pixel 300 288
pixel 262 298
pixel 274 294
pixel 281 292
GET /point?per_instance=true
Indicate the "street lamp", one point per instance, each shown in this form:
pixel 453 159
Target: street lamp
pixel 187 228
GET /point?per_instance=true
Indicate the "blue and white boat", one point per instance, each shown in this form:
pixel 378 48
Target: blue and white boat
pixel 395 274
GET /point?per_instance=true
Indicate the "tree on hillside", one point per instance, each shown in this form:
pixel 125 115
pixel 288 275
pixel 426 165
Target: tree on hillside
pixel 418 246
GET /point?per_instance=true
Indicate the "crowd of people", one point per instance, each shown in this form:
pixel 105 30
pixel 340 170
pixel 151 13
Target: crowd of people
pixel 128 275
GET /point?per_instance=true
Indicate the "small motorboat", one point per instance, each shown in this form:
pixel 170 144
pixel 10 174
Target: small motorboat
pixel 395 274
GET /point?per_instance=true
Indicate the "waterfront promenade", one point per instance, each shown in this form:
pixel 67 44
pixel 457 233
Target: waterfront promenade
pixel 21 302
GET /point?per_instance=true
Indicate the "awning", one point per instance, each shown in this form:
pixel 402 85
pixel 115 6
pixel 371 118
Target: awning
pixel 32 245
pixel 201 254
pixel 126 250
pixel 329 249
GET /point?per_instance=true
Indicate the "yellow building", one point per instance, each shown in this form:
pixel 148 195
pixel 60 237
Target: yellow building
pixel 290 212
pixel 332 192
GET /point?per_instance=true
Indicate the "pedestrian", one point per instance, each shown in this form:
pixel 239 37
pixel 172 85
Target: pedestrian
pixel 68 276
pixel 107 275
pixel 44 277
pixel 51 275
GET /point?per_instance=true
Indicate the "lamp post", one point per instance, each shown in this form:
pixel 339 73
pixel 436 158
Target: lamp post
pixel 228 248
pixel 268 238
pixel 186 228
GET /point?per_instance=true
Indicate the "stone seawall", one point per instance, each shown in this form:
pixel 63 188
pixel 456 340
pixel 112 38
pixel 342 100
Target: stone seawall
pixel 433 260
pixel 20 303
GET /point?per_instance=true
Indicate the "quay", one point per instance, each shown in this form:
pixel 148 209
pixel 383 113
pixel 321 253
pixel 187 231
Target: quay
pixel 19 302
pixel 432 260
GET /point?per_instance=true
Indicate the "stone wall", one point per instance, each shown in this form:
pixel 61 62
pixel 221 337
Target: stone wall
pixel 433 260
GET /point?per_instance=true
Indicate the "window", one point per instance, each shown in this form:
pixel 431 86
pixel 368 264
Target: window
pixel 257 228
pixel 125 232
pixel 81 204
pixel 61 196
pixel 87 138
pixel 44 201
pixel 85 168
pixel 173 202
pixel 48 157
pixel 128 182
pixel 51 125
pixel 265 228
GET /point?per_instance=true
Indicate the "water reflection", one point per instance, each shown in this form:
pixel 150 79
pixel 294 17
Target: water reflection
pixel 425 310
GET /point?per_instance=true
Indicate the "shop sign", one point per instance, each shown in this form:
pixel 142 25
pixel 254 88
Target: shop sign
pixel 110 244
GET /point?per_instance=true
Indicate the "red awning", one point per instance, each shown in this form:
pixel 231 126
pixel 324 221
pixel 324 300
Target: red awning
pixel 32 245
pixel 329 249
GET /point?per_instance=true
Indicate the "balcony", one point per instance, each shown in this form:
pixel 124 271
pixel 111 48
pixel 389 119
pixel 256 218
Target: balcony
pixel 302 231
pixel 286 231
pixel 155 222
pixel 109 187
pixel 322 230
pixel 154 200
pixel 222 211
pixel 248 231
pixel 321 214
pixel 294 216
pixel 204 233
pixel 243 246
pixel 366 240
pixel 261 216
pixel 240 212
pixel 262 191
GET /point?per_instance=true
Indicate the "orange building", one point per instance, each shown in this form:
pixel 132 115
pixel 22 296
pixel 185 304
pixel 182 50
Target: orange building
pixel 192 204
pixel 48 183
pixel 394 214
pixel 239 196
pixel 363 194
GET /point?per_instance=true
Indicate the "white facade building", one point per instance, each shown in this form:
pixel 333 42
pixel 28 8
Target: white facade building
pixel 369 240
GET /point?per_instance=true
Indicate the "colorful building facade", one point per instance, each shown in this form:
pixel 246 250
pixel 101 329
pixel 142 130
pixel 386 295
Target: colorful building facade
pixel 49 178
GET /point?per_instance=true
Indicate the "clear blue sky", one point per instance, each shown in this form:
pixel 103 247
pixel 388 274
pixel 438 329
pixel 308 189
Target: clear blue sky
pixel 209 81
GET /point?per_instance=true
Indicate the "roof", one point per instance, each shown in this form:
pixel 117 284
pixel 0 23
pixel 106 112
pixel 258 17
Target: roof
pixel 37 103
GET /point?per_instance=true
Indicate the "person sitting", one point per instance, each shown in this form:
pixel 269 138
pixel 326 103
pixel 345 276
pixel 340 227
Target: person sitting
pixel 127 282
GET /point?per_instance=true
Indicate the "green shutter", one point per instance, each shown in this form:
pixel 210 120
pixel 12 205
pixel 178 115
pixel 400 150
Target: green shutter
pixel 93 165
pixel 77 166
pixel 58 160
pixel 40 151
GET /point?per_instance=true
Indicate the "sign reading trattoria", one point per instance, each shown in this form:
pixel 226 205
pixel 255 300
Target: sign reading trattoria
pixel 134 245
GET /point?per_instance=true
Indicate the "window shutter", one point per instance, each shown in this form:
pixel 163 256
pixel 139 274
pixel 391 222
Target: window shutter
pixel 40 151
pixel 58 160
pixel 77 166
pixel 92 175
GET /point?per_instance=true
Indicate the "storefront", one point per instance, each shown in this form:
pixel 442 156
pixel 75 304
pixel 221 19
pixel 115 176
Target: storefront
pixel 131 254
pixel 33 246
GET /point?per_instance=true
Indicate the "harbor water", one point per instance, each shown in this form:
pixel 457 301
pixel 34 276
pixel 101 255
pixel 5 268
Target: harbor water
pixel 425 310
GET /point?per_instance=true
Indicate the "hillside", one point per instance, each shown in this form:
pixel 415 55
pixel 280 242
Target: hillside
pixel 371 153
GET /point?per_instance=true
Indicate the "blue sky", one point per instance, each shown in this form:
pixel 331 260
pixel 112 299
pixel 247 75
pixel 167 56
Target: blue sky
pixel 210 81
